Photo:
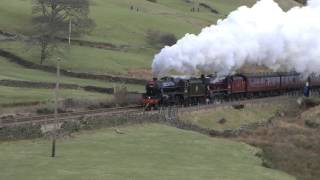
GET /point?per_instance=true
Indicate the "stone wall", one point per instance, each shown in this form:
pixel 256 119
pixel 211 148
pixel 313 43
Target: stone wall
pixel 30 131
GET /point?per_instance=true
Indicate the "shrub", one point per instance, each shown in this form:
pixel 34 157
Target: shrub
pixel 153 1
pixel 159 39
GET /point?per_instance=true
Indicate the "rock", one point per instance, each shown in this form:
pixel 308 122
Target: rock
pixel 312 123
pixel 215 133
pixel 238 106
pixel 8 116
pixel 222 121
pixel 308 102
pixel 118 131
pixel 281 114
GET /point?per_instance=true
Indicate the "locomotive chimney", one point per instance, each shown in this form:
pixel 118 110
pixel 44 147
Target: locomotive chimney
pixel 203 78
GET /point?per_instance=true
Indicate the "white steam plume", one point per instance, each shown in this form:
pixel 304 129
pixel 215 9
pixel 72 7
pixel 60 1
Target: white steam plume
pixel 263 35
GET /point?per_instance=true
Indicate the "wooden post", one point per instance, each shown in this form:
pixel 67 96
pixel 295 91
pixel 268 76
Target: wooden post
pixel 70 30
pixel 53 149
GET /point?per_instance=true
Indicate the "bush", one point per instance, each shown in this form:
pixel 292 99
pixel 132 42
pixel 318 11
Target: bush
pixel 153 1
pixel 159 39
pixel 168 39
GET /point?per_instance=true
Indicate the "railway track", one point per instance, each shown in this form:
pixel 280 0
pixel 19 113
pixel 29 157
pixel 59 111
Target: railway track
pixel 62 117
pixel 66 116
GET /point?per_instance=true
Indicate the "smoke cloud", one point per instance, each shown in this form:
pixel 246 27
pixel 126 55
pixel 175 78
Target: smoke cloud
pixel 263 34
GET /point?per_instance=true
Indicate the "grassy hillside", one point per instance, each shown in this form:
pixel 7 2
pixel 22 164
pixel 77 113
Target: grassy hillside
pixel 234 118
pixel 116 24
pixel 292 143
pixel 11 71
pixel 150 152
pixel 12 95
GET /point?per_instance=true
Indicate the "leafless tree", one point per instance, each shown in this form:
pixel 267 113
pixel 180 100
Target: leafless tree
pixel 54 19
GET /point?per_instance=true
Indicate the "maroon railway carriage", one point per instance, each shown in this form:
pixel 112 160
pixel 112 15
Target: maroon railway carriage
pixel 237 84
pixel 250 85
pixel 268 83
pixel 227 85
pixel 314 81
pixel 260 83
pixel 291 81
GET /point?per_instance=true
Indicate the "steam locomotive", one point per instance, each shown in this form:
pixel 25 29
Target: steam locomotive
pixel 209 89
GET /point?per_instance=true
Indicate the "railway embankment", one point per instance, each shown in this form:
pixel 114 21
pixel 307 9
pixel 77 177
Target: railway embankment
pixel 292 143
pixel 34 130
pixel 287 140
pixel 31 127
pixel 69 125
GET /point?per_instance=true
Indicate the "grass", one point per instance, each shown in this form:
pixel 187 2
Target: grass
pixel 11 71
pixel 15 16
pixel 148 152
pixel 91 60
pixel 11 95
pixel 289 144
pixel 116 23
pixel 234 118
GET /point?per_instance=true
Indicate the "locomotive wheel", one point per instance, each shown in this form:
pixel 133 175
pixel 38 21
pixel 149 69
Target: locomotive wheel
pixel 216 100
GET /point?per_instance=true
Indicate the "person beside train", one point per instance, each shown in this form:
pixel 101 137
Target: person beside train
pixel 306 90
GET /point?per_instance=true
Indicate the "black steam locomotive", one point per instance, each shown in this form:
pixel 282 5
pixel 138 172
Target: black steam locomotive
pixel 208 89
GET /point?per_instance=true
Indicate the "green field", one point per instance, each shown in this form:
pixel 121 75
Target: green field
pixel 117 24
pixel 144 152
pixel 11 95
pixel 11 71
pixel 86 59
pixel 234 118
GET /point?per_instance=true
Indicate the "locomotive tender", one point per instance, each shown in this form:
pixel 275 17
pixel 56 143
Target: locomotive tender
pixel 208 89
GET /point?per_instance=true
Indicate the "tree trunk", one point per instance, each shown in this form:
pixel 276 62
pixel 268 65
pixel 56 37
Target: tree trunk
pixel 44 45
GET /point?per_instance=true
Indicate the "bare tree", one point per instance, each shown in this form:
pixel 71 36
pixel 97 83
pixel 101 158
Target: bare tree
pixel 54 19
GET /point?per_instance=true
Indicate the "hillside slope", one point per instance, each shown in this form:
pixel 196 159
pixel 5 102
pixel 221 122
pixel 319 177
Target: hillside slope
pixel 148 152
pixel 118 25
